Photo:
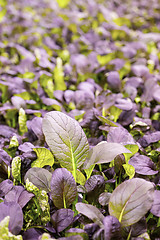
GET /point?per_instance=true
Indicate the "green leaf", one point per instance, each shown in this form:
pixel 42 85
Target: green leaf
pixel 103 60
pixel 77 231
pixel 13 142
pixel 41 201
pixel 106 120
pixel 63 3
pixel 104 152
pixel 13 145
pixel 59 75
pixel 115 113
pixel 3 88
pixel 3 3
pixel 144 236
pixel 16 169
pixel 40 177
pixel 131 200
pixel 4 231
pixel 66 139
pixel 46 236
pixel 133 148
pixel 44 157
pixel 22 119
pixel 24 95
pixel 91 212
pixel 46 83
pixel 130 170
pixel 89 171
pixel 80 178
pixel 2 14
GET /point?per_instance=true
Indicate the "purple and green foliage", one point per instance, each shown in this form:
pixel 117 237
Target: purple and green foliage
pixel 79 120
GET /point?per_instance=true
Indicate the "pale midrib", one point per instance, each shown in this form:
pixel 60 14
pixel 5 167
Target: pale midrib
pixel 73 161
pixel 121 214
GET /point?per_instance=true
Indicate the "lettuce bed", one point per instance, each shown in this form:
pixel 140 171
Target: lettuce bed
pixel 79 120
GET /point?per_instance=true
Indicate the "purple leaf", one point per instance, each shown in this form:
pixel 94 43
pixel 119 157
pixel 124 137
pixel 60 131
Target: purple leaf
pixel 119 135
pixel 155 210
pixel 5 157
pixel 14 211
pixel 147 139
pixel 112 228
pixel 131 200
pixel 140 70
pixel 124 104
pixel 36 126
pixel 63 188
pixel 62 218
pixel 26 147
pixel 143 165
pixel 114 81
pixel 18 195
pixel 5 187
pixel 95 185
pixel 40 177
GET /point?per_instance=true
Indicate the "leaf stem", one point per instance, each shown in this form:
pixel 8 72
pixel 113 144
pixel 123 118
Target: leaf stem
pixel 129 235
pixel 64 201
pixel 100 167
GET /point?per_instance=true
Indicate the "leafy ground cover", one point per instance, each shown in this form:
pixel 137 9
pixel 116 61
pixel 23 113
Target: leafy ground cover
pixel 79 119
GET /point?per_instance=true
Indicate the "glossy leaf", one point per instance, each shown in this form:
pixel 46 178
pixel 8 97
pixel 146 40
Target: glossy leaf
pixel 66 140
pixel 63 188
pixel 44 157
pixel 131 200
pixel 40 177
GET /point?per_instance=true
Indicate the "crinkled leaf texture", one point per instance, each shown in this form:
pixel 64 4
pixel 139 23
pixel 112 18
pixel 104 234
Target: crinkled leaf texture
pixel 91 212
pixel 40 177
pixel 62 218
pixel 63 188
pixel 131 200
pixel 112 228
pixel 104 152
pixel 66 140
pixel 14 211
pixel 44 157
